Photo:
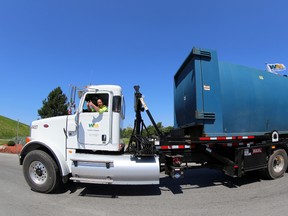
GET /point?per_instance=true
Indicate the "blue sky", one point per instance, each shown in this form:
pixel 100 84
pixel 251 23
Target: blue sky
pixel 46 44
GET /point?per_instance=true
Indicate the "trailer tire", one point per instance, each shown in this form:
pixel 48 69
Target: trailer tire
pixel 277 164
pixel 41 172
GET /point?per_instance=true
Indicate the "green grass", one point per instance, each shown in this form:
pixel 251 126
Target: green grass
pixel 8 130
pixel 4 141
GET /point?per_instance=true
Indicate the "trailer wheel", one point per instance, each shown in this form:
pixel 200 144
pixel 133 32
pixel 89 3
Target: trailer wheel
pixel 41 172
pixel 277 164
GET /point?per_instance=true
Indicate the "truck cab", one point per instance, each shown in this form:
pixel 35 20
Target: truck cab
pixel 85 147
pixel 92 130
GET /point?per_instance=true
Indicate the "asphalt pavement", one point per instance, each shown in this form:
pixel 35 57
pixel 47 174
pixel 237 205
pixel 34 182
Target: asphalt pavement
pixel 201 192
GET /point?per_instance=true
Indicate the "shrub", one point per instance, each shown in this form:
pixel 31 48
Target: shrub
pixel 11 143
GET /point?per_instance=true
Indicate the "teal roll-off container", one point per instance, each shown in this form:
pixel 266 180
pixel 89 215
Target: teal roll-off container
pixel 214 98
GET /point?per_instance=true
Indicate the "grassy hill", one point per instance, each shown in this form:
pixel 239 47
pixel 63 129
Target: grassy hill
pixel 8 129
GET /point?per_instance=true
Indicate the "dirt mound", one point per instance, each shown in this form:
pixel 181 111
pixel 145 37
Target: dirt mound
pixel 11 149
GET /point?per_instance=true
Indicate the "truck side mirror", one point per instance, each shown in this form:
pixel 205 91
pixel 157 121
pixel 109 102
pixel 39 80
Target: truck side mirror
pixel 80 93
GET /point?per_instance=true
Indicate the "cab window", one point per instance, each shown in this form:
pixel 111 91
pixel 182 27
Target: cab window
pixel 116 104
pixel 94 97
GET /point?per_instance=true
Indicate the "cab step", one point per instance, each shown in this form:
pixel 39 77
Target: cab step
pixel 92 180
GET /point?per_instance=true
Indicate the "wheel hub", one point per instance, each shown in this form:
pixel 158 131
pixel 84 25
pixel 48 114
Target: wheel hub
pixel 278 164
pixel 38 172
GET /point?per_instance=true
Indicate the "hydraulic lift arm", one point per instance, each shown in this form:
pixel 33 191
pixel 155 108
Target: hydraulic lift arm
pixel 139 144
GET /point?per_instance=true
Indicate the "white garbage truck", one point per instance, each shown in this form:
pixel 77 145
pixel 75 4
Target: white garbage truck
pixel 218 123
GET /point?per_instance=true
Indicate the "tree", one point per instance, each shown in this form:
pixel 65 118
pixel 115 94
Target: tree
pixel 54 105
pixel 167 129
pixel 126 132
pixel 151 131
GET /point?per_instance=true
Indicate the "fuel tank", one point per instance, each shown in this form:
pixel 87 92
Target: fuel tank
pixel 214 98
pixel 123 169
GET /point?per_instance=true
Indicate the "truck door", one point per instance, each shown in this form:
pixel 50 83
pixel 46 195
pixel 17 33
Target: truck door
pixel 94 128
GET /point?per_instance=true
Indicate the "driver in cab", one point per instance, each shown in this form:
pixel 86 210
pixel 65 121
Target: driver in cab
pixel 99 108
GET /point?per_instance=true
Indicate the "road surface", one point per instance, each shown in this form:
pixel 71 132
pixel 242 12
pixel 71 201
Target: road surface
pixel 201 192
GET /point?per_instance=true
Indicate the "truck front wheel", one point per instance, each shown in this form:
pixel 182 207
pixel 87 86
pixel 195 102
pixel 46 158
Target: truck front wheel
pixel 277 164
pixel 41 171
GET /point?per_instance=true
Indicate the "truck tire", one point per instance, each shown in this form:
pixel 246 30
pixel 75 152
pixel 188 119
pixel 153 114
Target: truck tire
pixel 41 172
pixel 277 164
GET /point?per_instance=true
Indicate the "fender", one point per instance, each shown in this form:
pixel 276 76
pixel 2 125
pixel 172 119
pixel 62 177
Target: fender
pixel 54 152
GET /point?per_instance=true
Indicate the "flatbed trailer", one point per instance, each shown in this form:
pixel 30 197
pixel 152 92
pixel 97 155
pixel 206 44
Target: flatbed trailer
pixel 233 155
